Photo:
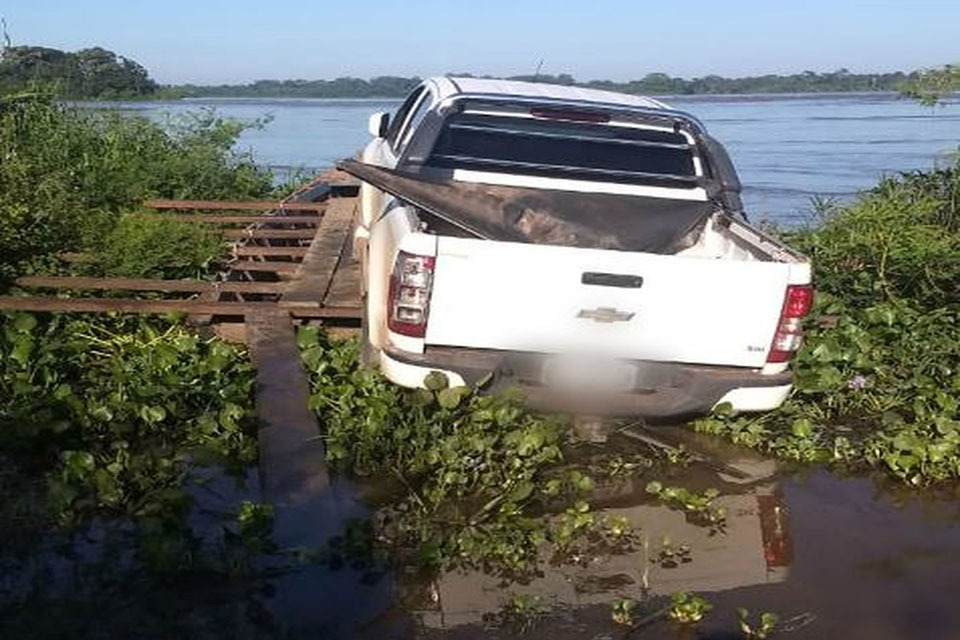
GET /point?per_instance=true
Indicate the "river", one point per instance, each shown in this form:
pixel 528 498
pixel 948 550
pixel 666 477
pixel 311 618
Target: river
pixel 787 148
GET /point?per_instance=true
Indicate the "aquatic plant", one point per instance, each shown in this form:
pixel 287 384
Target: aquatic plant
pixel 687 608
pixel 877 381
pixel 759 630
pixel 114 412
pixel 698 506
pixel 472 470
pixel 624 611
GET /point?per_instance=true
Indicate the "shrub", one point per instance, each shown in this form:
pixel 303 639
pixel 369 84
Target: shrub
pixel 158 248
pixel 66 173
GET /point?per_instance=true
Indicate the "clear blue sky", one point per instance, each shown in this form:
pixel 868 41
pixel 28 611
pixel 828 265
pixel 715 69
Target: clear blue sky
pixel 211 41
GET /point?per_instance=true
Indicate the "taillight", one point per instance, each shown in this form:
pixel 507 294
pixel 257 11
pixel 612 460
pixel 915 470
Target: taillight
pixel 409 298
pixel 789 336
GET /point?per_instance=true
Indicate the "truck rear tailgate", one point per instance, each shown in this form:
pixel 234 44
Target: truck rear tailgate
pixel 616 304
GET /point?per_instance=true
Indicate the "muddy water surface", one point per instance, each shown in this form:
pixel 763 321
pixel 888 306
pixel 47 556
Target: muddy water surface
pixel 853 565
pixel 832 557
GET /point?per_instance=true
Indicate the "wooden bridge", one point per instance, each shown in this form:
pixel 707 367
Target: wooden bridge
pixel 293 256
pixel 287 262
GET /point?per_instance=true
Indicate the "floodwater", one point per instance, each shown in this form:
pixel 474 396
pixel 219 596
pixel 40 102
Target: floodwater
pixel 787 149
pixel 850 558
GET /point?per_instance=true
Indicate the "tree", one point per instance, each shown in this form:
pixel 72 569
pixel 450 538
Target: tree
pixel 88 73
pixel 930 85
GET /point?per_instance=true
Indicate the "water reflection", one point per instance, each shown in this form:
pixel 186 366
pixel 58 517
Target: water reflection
pixel 676 552
pixel 833 557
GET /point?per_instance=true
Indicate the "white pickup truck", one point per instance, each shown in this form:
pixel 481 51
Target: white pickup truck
pixel 585 246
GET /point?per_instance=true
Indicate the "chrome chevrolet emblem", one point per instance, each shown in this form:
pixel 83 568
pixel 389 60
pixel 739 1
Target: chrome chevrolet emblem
pixel 606 315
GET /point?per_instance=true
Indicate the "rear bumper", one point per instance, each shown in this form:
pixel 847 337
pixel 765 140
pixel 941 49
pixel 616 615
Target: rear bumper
pixel 666 390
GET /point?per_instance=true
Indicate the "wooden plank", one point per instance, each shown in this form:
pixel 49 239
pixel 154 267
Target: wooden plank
pixel 235 205
pixel 260 266
pixel 311 282
pixel 292 457
pixel 278 234
pixel 119 305
pixel 213 218
pixel 293 252
pixel 344 290
pixel 145 284
pixel 339 313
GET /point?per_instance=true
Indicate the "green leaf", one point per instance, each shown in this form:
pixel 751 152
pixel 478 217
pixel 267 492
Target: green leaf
pixel 436 381
pixel 102 413
pixel 24 322
pixel 78 463
pixel 801 428
pixel 22 348
pixel 521 492
pixel 152 414
pixel 450 398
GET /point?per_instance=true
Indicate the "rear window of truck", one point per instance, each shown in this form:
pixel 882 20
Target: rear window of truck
pixel 561 148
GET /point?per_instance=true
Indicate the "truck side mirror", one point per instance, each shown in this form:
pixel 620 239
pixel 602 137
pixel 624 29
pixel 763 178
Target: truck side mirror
pixel 378 124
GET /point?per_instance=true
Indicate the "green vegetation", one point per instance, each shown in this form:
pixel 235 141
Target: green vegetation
pixel 687 608
pixel 699 507
pixel 69 175
pixel 470 469
pixel 930 85
pixel 651 84
pixel 99 74
pixel 760 630
pixel 877 381
pixel 93 73
pixel 624 612
pixel 111 427
pixel 113 411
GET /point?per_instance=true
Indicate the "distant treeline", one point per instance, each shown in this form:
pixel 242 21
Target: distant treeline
pixel 94 73
pixel 651 84
pixel 97 73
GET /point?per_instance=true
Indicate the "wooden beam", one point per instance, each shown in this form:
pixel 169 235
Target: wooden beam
pixel 293 252
pixel 118 305
pixel 312 280
pixel 344 289
pixel 213 218
pixel 264 266
pixel 147 284
pixel 292 459
pixel 279 234
pixel 340 313
pixel 235 205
